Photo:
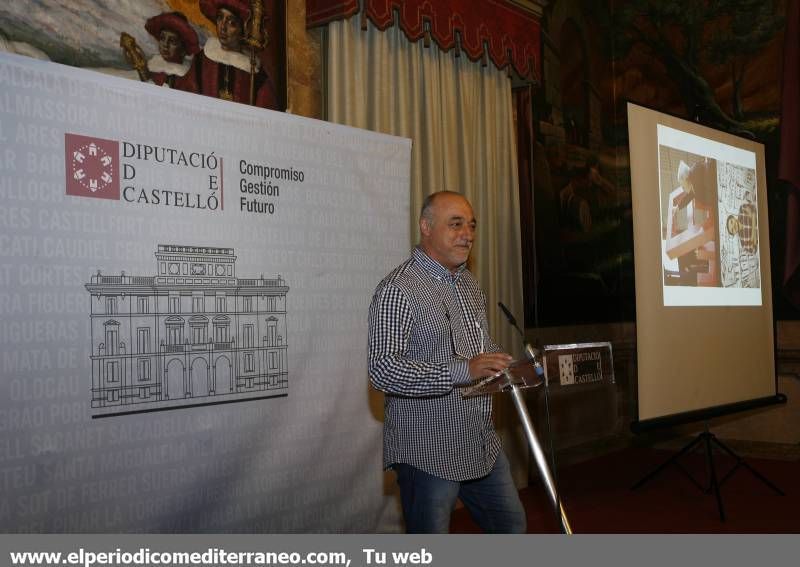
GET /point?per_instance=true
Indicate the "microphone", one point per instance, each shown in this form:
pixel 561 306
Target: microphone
pixel 511 318
pixel 532 353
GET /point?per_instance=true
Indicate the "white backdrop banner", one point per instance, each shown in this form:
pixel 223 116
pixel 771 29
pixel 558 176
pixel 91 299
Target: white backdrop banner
pixel 184 287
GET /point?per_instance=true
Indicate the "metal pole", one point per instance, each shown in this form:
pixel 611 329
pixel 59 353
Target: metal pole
pixel 538 455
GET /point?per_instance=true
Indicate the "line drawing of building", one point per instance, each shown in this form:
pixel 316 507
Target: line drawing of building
pixel 193 334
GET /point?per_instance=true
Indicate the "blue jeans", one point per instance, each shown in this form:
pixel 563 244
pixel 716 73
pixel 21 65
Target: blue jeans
pixel 492 501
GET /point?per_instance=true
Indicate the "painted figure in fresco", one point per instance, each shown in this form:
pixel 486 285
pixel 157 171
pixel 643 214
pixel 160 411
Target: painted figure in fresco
pixel 177 43
pixel 576 212
pixel 224 68
pixel 585 196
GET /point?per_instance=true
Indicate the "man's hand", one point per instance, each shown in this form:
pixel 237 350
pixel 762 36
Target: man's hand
pixel 488 363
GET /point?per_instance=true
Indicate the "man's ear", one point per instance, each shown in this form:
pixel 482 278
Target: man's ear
pixel 424 226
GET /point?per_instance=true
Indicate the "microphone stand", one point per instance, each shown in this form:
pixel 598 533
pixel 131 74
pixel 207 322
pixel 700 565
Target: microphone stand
pixel 530 432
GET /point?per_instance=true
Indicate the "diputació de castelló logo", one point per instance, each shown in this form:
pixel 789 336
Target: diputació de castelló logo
pixel 92 167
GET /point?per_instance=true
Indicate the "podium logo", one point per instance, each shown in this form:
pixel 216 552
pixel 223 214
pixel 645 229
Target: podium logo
pixel 92 167
pixel 566 369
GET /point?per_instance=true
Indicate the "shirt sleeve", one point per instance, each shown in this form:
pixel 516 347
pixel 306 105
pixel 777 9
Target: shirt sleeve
pixel 391 370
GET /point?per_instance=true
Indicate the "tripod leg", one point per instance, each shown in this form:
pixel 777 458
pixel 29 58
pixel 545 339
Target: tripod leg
pixel 762 478
pixel 672 460
pixel 689 476
pixel 712 474
pixel 741 462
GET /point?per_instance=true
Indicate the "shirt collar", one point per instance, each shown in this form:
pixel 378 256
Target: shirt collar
pixel 434 268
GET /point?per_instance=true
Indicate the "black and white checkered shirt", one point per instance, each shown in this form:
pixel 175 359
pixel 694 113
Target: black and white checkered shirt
pixel 425 323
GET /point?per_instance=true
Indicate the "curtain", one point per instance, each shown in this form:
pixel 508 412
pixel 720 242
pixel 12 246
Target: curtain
pixel 460 118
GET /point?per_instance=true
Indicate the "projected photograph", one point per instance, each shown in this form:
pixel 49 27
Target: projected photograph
pixel 738 227
pixel 709 221
pixel 689 228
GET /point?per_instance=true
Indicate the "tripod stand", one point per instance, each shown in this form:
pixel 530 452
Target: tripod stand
pixel 708 441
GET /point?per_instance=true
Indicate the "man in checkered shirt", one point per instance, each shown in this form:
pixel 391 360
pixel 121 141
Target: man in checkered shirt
pixel 428 337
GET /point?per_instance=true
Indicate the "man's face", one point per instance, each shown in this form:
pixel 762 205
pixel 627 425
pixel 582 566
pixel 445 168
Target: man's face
pixel 170 46
pixel 229 30
pixel 448 236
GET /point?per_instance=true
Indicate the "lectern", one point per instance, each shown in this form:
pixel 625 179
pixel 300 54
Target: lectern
pixel 519 376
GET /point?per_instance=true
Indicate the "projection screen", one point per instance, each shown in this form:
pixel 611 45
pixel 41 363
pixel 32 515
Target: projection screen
pixel 703 303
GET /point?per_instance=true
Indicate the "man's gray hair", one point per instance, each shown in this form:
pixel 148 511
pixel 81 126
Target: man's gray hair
pixel 427 205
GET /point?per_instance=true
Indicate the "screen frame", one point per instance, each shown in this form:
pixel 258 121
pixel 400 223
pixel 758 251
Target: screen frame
pixel 643 261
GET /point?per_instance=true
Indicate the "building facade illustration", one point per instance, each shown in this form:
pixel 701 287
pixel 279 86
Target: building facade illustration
pixel 192 334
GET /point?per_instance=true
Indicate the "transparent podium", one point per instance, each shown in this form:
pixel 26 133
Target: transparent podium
pixel 521 375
